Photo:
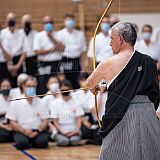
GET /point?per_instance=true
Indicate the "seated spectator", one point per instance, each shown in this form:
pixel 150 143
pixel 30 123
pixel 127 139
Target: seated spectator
pixel 66 115
pixel 17 92
pixel 89 126
pixel 101 100
pixel 5 127
pixel 53 87
pixel 61 76
pixel 29 118
pixel 85 97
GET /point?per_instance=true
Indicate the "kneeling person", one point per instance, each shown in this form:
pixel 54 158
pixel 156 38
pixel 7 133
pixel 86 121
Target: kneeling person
pixel 5 127
pixel 66 114
pixel 29 118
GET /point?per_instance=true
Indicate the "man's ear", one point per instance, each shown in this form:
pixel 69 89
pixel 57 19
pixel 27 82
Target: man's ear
pixel 121 39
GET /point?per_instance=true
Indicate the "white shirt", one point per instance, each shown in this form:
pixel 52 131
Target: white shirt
pixel 28 116
pixel 74 42
pixel 152 49
pixel 85 100
pixel 66 112
pixel 102 47
pixel 158 110
pixel 12 42
pixel 101 99
pixel 4 105
pixel 28 42
pixel 49 99
pixel 42 41
pixel 15 93
pixel 2 59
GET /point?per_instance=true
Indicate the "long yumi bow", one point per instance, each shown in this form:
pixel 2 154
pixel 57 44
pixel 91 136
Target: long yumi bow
pixel 94 54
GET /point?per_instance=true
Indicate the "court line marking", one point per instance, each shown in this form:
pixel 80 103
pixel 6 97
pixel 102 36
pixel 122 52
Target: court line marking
pixel 25 153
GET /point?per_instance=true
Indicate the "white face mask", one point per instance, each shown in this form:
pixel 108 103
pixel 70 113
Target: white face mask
pixel 146 36
pixel 54 87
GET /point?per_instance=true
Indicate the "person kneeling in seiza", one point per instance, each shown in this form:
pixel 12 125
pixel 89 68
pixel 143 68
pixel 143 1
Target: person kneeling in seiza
pixel 29 118
pixel 66 114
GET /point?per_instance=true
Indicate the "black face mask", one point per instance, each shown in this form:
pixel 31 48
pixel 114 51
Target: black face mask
pixel 66 94
pixel 11 23
pixel 27 27
pixel 5 92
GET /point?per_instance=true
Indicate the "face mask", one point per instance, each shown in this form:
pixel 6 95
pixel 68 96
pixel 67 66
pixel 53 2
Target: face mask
pixel 27 27
pixel 54 87
pixel 11 23
pixel 66 94
pixel 30 91
pixel 48 27
pixel 105 27
pixel 146 36
pixel 69 23
pixel 5 92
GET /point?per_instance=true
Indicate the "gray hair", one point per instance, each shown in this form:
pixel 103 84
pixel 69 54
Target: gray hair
pixel 127 31
pixel 30 78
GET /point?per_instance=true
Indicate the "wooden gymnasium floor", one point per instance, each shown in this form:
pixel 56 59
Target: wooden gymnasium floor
pixel 82 152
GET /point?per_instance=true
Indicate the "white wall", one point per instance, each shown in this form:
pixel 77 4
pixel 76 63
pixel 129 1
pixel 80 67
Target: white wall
pixel 142 18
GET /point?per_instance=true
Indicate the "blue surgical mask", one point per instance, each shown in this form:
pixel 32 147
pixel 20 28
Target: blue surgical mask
pixel 146 36
pixel 69 23
pixel 48 27
pixel 30 91
pixel 105 27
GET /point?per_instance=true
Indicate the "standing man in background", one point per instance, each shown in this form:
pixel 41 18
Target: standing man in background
pixel 103 49
pixel 49 50
pixel 145 45
pixel 4 57
pixel 28 34
pixel 11 45
pixel 75 46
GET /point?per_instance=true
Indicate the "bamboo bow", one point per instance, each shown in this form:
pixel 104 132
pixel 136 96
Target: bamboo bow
pixel 94 55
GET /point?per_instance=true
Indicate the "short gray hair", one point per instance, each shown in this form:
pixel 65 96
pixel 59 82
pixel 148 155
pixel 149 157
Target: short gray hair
pixel 30 78
pixel 127 31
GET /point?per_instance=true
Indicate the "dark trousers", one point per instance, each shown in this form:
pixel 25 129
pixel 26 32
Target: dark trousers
pixel 93 135
pixel 6 136
pixel 72 68
pixel 45 71
pixel 31 65
pixel 24 142
pixel 4 73
pixel 14 78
